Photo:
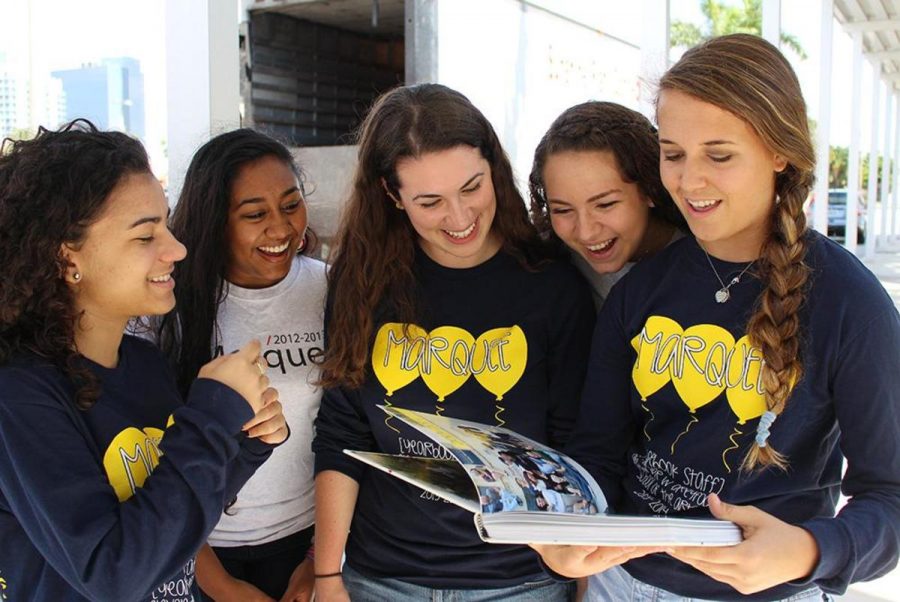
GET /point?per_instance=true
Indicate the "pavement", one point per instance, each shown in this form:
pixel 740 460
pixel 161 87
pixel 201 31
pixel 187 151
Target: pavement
pixel 885 264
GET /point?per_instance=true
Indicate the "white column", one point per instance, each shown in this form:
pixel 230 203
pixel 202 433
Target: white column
pixel 890 223
pixel 820 207
pixel 202 80
pixel 895 183
pixel 887 159
pixel 654 51
pixel 771 21
pixel 853 154
pixel 872 191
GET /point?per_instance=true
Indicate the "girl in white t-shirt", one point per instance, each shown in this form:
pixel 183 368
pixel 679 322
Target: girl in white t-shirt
pixel 242 216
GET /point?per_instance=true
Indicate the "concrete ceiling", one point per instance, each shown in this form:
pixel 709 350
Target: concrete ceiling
pixel 354 15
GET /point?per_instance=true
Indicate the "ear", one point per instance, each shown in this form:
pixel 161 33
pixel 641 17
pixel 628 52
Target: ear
pixel 71 274
pixel 390 194
pixel 780 163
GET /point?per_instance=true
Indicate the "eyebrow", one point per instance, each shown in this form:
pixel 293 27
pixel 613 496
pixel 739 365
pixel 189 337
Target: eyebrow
pixel 708 143
pixel 259 199
pixel 596 197
pixel 145 220
pixel 431 195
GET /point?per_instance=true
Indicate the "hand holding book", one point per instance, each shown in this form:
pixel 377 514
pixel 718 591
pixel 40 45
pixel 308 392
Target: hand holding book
pixel 772 552
pixel 582 561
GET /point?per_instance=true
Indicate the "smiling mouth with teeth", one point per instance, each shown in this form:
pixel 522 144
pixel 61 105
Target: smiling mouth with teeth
pixel 276 249
pixel 702 204
pixel 461 233
pixel 601 246
pixel 163 278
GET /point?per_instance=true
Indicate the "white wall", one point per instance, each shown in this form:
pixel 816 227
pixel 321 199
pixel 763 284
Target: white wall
pixel 522 65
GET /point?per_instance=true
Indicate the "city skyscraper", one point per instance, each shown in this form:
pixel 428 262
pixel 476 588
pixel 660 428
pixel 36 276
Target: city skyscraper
pixel 110 94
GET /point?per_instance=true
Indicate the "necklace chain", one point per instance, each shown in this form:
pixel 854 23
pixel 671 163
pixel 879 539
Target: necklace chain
pixel 723 294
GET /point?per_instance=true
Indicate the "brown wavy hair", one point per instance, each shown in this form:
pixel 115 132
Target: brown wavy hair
pixel 52 188
pixel 750 78
pixel 376 245
pixel 603 126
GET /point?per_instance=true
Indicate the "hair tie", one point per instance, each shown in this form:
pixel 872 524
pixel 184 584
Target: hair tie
pixel 762 429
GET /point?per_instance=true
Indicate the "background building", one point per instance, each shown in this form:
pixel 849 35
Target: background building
pixel 110 94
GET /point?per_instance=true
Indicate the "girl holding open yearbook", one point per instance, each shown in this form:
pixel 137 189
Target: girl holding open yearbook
pixel 443 299
pixel 743 366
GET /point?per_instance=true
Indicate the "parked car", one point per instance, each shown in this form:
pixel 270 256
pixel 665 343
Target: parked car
pixel 837 214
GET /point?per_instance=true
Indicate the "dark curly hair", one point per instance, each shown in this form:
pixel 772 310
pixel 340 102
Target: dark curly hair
pixel 603 126
pixel 188 333
pixel 52 188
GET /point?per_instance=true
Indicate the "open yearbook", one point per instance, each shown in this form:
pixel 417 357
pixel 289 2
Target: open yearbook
pixel 521 491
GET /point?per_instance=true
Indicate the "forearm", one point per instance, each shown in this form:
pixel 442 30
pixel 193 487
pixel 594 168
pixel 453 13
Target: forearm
pixel 336 495
pixel 211 575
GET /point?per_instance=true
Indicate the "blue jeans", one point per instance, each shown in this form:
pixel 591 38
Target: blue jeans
pixel 365 589
pixel 616 585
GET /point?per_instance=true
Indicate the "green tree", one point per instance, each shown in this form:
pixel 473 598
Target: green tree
pixel 21 134
pixel 723 18
pixel 837 166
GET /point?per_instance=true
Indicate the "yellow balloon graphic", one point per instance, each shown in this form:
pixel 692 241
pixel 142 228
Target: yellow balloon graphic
pixel 656 347
pixel 447 366
pixel 397 354
pixel 499 358
pixel 700 370
pixel 130 458
pixel 744 387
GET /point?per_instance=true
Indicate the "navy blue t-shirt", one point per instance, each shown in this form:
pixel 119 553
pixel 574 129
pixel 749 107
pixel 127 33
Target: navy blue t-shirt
pixel 672 400
pixel 113 503
pixel 496 344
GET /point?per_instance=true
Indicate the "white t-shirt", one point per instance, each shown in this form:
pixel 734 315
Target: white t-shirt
pixel 287 318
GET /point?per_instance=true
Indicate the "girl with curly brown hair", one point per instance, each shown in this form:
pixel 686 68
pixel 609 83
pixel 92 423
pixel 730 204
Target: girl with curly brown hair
pixel 595 187
pixel 745 365
pixel 442 298
pixel 109 483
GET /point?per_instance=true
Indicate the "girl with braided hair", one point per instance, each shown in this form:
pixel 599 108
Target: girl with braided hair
pixel 595 187
pixel 744 365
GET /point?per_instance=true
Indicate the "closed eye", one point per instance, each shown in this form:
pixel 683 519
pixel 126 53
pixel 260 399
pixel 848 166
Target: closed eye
pixel 607 204
pixel 720 159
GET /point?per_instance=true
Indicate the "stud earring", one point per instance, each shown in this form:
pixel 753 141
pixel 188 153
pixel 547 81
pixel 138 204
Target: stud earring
pixel 398 205
pixel 76 276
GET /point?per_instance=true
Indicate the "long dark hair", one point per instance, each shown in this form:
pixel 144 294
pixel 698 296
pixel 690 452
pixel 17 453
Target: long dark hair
pixel 376 243
pixel 188 334
pixel 604 126
pixel 750 78
pixel 52 188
